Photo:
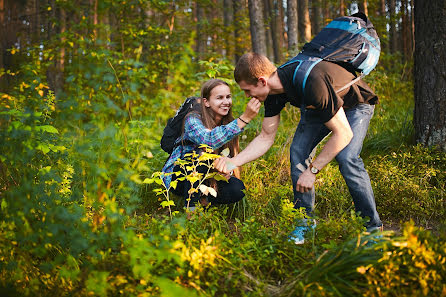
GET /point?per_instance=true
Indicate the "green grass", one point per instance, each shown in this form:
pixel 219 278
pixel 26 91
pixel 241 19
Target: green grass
pixel 81 221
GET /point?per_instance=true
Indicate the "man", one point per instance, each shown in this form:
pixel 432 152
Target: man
pixel 345 114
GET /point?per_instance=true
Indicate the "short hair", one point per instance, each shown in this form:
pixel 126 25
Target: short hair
pixel 251 66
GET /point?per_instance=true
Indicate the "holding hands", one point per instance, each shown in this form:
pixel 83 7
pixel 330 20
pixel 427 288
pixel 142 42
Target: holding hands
pixel 224 164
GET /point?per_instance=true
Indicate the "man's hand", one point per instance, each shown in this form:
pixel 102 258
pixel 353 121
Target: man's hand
pixel 224 165
pixel 306 181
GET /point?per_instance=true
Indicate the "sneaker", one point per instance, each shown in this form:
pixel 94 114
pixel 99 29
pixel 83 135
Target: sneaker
pixel 376 235
pixel 375 229
pixel 297 236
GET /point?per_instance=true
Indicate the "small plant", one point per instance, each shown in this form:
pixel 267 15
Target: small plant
pixel 190 163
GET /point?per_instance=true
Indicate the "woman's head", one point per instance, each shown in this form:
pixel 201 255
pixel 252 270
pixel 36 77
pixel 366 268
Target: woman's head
pixel 216 102
pixel 216 110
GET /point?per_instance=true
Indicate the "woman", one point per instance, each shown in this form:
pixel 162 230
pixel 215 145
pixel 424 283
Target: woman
pixel 213 125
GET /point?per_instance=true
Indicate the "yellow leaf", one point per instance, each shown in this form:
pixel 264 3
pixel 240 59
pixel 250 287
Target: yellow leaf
pixel 41 93
pixel 49 8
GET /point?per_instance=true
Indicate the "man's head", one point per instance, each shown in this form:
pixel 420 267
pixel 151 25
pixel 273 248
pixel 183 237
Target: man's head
pixel 252 72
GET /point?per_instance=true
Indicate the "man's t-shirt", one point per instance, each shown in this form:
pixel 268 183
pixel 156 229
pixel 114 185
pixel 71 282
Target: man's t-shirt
pixel 320 99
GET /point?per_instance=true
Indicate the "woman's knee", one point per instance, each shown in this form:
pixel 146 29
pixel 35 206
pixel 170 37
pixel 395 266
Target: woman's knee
pixel 232 191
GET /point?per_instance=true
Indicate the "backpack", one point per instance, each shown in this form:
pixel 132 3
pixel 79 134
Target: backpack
pixel 350 41
pixel 174 127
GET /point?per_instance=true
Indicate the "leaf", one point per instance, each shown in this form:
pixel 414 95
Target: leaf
pixel 44 148
pixel 225 152
pixel 166 203
pixel 173 184
pixel 192 179
pixel 49 129
pixel 148 181
pixel 220 177
pixel 212 191
pixel 204 189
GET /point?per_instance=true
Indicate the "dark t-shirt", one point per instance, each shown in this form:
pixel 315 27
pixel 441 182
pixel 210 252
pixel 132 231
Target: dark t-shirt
pixel 320 98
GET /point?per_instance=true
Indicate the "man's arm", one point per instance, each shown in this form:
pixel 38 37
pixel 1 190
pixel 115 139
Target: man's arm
pixel 340 138
pixel 256 148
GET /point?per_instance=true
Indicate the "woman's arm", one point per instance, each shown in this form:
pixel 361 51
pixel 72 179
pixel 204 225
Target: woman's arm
pixel 195 131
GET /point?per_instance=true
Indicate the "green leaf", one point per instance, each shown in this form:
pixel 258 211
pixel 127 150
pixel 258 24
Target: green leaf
pixel 43 147
pixel 148 181
pixel 49 129
pixel 220 177
pixel 166 203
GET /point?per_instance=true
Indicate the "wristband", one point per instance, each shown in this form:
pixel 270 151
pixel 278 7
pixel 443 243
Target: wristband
pixel 243 120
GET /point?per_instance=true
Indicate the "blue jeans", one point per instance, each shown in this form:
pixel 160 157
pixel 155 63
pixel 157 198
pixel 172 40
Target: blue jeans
pixel 309 134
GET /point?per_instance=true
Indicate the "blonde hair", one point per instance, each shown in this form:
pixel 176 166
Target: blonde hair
pixel 251 66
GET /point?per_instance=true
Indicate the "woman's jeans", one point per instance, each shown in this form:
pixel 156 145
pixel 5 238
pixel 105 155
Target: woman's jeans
pixel 309 134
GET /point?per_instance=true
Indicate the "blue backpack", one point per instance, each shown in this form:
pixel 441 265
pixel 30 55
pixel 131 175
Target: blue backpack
pixel 350 41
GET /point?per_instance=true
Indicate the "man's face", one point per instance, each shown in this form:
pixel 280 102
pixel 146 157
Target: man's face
pixel 258 91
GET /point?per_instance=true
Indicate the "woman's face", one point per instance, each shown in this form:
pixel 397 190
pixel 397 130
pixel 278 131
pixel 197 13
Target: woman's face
pixel 220 101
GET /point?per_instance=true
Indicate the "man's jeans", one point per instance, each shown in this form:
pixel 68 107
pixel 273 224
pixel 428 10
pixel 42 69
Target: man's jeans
pixel 309 134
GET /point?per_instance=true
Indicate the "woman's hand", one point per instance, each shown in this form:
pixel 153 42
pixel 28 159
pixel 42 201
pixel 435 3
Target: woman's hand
pixel 251 110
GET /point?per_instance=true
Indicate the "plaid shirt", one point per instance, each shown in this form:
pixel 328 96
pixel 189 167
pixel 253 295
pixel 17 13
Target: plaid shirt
pixel 196 132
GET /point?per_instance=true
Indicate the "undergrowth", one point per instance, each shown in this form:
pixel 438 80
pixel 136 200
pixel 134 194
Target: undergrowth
pixel 77 218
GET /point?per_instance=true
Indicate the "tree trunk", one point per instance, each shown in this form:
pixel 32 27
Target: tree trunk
pixel 276 30
pixel 2 39
pixel 201 36
pixel 304 21
pixel 292 26
pixel 341 8
pixel 237 16
pixel 392 26
pixel 316 16
pixel 268 18
pixel 405 29
pixel 326 13
pixel 430 73
pixel 362 6
pixel 412 28
pixel 227 20
pixel 382 8
pixel 257 26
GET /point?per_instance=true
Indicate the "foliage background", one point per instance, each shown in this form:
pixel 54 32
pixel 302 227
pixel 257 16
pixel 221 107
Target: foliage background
pixel 81 115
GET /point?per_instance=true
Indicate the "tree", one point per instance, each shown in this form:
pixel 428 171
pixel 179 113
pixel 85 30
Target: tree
pixel 257 26
pixel 430 73
pixel 304 21
pixel 277 30
pixel 316 16
pixel 237 10
pixel 392 26
pixel 292 26
pixel 362 5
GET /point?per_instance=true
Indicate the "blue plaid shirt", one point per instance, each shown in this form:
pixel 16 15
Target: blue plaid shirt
pixel 196 132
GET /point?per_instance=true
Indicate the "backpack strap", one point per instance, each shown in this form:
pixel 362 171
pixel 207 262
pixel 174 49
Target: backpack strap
pixel 350 83
pixel 302 70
